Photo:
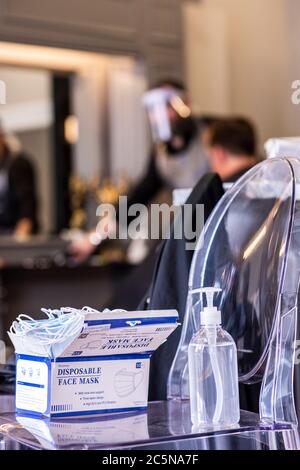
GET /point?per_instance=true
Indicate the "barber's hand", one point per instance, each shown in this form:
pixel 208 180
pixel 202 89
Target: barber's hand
pixel 23 229
pixel 2 263
pixel 83 248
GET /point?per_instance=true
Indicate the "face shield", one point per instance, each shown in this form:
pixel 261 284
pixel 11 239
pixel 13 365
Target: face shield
pixel 164 106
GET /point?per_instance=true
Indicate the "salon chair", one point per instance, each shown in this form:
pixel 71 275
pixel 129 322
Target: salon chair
pixel 251 250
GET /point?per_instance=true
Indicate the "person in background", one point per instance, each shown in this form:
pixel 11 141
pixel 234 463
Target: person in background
pixel 232 147
pixel 18 201
pixel 177 159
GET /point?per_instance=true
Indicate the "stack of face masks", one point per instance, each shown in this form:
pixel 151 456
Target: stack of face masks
pixel 50 336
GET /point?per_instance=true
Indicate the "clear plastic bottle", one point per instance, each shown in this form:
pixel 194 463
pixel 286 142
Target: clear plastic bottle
pixel 213 373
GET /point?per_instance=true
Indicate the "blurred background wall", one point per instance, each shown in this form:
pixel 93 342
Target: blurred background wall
pixel 148 28
pixel 241 57
pixel 237 56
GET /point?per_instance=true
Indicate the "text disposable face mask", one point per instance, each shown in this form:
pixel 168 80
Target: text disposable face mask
pixel 82 362
pixel 213 375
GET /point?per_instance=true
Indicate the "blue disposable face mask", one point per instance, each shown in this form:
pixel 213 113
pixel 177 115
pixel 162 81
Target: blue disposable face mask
pixel 54 333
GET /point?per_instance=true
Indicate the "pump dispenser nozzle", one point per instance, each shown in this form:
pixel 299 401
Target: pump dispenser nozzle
pixel 210 315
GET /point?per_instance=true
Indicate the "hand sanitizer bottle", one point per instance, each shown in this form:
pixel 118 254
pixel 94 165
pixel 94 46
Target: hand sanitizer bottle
pixel 213 374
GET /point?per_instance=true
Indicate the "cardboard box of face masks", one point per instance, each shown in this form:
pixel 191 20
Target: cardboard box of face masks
pixel 105 369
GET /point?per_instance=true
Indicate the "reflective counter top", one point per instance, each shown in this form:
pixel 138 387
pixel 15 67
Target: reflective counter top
pixel 165 426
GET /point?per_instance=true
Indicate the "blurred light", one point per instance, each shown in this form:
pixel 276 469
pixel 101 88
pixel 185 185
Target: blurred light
pixel 2 92
pixel 255 242
pixel 180 107
pixel 71 129
pixel 95 239
pixel 49 57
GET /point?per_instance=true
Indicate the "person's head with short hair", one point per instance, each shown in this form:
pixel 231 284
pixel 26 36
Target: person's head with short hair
pixel 232 146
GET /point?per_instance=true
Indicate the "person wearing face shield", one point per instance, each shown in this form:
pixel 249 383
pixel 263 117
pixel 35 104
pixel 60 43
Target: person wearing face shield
pixel 178 158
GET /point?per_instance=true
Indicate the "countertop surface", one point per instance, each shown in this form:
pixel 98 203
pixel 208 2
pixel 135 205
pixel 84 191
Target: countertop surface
pixel 165 425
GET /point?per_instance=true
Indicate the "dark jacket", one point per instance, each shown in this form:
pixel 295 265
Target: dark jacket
pixel 18 198
pixel 169 291
pixel 170 282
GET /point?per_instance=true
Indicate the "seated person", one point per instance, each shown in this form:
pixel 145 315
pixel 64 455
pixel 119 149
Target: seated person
pixel 231 146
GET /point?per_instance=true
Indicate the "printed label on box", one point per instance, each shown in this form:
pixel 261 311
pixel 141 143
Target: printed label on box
pixel 32 384
pixel 115 385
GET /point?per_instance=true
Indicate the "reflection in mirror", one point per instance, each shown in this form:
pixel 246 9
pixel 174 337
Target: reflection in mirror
pixel 74 127
pixel 26 122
